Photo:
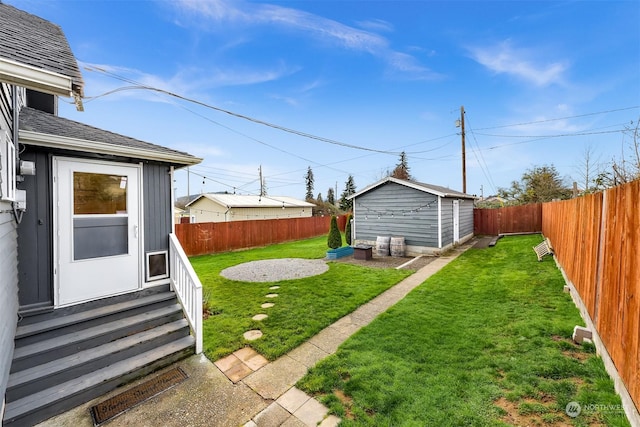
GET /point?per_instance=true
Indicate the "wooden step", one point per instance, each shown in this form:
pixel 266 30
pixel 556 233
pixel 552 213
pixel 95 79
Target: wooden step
pixel 29 381
pixel 51 401
pixel 44 351
pixel 83 319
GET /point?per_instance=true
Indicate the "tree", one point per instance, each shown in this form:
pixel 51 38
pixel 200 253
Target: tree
pixel 308 180
pixel 334 239
pixel 401 171
pixel 588 170
pixel 319 199
pixel 349 189
pixel 538 184
pixel 347 230
pixel 331 197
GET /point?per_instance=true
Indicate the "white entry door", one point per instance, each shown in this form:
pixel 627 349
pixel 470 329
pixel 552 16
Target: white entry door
pixel 456 221
pixel 97 226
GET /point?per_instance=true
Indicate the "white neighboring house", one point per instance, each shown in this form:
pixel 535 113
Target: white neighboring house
pixel 212 207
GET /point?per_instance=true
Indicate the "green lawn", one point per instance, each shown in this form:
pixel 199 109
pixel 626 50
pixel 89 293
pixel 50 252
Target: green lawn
pixel 303 306
pixel 484 342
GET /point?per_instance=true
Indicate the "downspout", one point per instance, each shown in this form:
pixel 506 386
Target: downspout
pixel 225 214
pixel 15 131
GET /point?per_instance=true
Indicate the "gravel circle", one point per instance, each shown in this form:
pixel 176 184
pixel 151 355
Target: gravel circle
pixel 273 270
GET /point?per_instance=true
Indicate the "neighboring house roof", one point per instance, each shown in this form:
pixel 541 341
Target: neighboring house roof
pixel 247 201
pixel 34 53
pixel 427 188
pixel 47 130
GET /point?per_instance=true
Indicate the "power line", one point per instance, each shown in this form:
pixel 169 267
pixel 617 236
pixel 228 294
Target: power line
pixel 561 118
pixel 140 86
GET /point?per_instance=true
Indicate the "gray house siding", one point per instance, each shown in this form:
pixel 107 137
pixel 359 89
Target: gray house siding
pixel 35 236
pixel 446 207
pixel 8 264
pixel 157 205
pixel 466 218
pixel 397 210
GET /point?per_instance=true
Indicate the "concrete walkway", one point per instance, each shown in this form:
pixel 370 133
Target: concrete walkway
pixel 244 388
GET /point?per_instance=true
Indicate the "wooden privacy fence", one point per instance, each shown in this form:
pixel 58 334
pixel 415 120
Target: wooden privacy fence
pixel 596 239
pixel 512 219
pixel 214 237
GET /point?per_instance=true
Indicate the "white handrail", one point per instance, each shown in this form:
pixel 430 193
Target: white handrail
pixel 187 286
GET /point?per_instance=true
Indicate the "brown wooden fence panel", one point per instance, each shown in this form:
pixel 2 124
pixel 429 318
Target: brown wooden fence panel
pixel 215 237
pixel 511 219
pixel 596 239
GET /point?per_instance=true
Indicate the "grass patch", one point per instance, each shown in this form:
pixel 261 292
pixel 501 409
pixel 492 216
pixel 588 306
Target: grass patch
pixel 303 306
pixel 484 342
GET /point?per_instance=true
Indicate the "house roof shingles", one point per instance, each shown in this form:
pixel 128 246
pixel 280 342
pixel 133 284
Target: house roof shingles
pixel 30 40
pixel 429 188
pixel 48 124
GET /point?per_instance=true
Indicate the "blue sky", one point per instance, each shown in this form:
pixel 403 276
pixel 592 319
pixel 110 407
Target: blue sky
pixel 541 82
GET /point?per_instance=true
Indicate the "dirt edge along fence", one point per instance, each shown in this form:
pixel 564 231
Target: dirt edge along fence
pixel 215 237
pixel 596 239
pixel 512 219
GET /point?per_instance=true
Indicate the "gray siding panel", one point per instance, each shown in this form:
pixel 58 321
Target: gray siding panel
pixel 466 217
pixel 35 236
pixel 8 292
pixel 396 210
pixel 447 221
pixel 8 264
pixel 157 207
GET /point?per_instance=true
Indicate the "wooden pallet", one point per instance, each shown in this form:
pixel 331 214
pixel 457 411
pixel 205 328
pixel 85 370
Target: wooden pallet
pixel 543 249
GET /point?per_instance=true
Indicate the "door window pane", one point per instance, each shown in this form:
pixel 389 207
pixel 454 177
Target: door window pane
pixel 96 193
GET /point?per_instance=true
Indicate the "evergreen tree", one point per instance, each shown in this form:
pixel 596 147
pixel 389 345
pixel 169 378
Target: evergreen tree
pixel 334 239
pixel 308 180
pixel 319 199
pixel 401 170
pixel 347 230
pixel 538 185
pixel 331 197
pixel 349 189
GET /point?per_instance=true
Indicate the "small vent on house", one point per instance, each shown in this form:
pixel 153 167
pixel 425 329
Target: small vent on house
pixel 157 265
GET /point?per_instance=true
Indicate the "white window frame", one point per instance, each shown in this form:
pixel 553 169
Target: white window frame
pixel 7 167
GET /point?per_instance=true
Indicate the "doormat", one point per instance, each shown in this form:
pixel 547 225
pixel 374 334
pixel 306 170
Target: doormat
pixel 126 400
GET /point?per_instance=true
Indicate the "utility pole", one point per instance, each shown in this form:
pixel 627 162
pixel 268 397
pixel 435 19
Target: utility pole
pixel 261 182
pixel 460 124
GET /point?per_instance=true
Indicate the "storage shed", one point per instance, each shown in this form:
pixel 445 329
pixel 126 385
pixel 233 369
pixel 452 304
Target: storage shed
pixel 429 217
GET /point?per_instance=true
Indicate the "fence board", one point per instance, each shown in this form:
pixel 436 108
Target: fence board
pixel 596 239
pixel 214 237
pixel 511 219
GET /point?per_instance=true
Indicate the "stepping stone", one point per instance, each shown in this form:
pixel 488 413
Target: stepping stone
pixel 259 317
pixel 271 295
pixel 273 288
pixel 267 305
pixel 252 335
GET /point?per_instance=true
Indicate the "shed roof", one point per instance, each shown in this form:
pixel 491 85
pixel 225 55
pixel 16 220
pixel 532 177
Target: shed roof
pixel 31 41
pixel 249 201
pixel 427 188
pixel 47 130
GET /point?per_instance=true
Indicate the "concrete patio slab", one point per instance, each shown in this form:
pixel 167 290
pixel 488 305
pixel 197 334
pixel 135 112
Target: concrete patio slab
pixel 293 399
pixel 311 413
pixel 277 377
pixel 272 415
pixel 308 354
pixel 328 340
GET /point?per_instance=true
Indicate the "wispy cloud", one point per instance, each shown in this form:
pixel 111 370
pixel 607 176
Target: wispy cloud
pixel 503 58
pixel 186 81
pixel 318 27
pixel 376 25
